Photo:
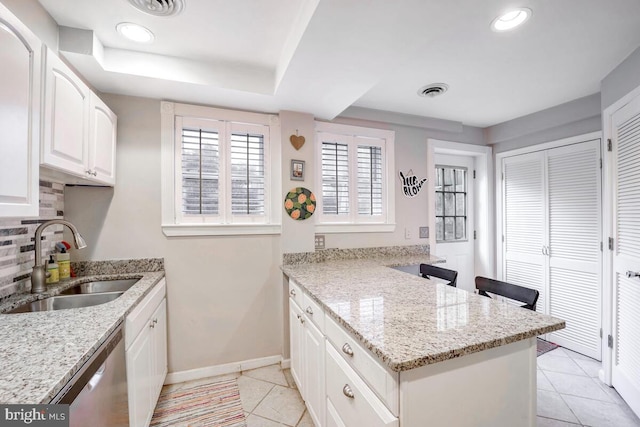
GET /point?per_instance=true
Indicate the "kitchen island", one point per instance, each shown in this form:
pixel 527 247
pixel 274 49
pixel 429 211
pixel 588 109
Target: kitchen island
pixel 420 353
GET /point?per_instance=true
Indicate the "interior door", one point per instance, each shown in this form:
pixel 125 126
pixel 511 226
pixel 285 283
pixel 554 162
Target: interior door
pixel 575 257
pixel 625 373
pixel 454 216
pixel 524 223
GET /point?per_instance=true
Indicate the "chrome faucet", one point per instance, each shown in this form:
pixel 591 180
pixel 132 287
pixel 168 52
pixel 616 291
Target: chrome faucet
pixel 39 274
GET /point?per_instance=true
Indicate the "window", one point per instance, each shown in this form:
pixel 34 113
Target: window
pixel 220 165
pixel 355 168
pixel 451 204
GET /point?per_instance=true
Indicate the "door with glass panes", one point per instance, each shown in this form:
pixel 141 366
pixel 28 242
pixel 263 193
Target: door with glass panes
pixel 454 216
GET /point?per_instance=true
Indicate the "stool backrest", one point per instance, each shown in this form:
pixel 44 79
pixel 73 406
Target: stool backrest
pixel 519 293
pixel 428 270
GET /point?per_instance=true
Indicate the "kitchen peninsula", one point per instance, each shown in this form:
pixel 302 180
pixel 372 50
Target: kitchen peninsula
pixel 397 349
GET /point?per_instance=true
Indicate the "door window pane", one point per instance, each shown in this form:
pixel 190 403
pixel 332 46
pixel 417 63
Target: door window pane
pixel 451 204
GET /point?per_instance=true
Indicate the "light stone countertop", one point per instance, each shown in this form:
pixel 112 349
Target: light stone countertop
pixel 41 351
pixel 408 321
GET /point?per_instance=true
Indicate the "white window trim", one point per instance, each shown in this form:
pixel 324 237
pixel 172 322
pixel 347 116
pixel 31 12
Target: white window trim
pixel 348 224
pixel 170 203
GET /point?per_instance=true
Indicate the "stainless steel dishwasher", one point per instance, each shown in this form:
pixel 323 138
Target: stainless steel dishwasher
pixel 97 393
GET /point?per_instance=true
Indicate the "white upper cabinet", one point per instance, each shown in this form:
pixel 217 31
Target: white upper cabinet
pixel 102 137
pixel 79 129
pixel 20 76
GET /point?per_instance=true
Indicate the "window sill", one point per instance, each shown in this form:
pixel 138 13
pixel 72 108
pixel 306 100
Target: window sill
pixel 355 228
pixel 175 230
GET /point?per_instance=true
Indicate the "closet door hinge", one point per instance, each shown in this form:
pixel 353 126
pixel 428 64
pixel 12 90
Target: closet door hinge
pixel 474 174
pixel 600 163
pixel 610 341
pixel 600 332
pixel 475 234
pixel 609 145
pixel 503 176
pixel 601 249
pixel 610 243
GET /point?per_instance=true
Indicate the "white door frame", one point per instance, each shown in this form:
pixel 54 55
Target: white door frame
pixel 484 245
pixel 608 190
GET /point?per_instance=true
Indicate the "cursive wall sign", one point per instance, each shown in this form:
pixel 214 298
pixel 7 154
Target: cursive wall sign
pixel 410 184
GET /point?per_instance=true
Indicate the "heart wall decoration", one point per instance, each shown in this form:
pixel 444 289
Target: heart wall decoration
pixel 410 184
pixel 297 141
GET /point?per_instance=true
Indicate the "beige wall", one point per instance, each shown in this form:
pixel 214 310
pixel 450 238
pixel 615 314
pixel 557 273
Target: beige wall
pixel 224 293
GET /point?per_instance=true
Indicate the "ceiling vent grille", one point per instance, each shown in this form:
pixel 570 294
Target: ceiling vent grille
pixel 159 7
pixel 432 90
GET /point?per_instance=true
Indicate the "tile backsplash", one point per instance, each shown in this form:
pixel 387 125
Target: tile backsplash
pixel 16 239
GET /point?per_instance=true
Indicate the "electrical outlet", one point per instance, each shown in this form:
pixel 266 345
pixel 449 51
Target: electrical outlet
pixel 407 233
pixel 424 232
pixel 319 239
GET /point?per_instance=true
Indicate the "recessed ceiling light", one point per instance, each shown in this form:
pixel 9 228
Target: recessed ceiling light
pixel 511 19
pixel 135 32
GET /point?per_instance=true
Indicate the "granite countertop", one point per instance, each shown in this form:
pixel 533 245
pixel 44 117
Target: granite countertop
pixel 408 321
pixel 41 351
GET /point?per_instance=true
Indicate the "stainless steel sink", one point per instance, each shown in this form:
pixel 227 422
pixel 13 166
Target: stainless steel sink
pixel 61 302
pixel 119 285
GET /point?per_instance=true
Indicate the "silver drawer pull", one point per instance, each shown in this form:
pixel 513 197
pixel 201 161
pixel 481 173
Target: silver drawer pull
pixel 292 292
pixel 151 325
pixel 302 320
pixel 346 349
pixel 309 310
pixel 632 274
pixel 346 390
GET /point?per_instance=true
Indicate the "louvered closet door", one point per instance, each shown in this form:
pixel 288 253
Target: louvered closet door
pixel 626 258
pixel 575 259
pixel 524 223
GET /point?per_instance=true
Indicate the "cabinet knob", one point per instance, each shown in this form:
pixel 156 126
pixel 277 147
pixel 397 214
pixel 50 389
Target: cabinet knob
pixel 151 325
pixel 302 320
pixel 155 321
pixel 292 292
pixel 346 390
pixel 309 310
pixel 346 349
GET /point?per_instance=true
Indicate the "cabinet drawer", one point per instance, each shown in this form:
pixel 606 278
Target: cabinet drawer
pixel 351 398
pixel 295 293
pixel 137 320
pixel 383 382
pixel 313 311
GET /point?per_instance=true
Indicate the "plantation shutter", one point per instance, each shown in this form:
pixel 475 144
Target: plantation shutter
pixel 200 162
pixel 626 258
pixel 247 173
pixel 524 223
pixel 574 245
pixel 370 184
pixel 335 178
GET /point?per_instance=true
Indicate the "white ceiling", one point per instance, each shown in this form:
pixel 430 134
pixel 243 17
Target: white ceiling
pixel 322 56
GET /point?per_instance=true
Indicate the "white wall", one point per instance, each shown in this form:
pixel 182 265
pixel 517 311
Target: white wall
pixel 577 117
pixel 622 80
pixel 224 293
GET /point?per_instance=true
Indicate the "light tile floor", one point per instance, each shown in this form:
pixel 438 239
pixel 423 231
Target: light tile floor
pixel 569 394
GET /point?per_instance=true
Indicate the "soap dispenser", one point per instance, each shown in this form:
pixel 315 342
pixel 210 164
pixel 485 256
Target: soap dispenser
pixel 52 269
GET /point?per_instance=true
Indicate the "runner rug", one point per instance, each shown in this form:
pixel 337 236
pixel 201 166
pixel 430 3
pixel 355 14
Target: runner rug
pixel 209 405
pixel 544 346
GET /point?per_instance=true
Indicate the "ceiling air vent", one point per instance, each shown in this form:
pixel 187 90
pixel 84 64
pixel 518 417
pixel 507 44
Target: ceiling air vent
pixel 159 7
pixel 432 90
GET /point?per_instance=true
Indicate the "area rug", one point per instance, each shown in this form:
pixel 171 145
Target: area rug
pixel 209 405
pixel 545 346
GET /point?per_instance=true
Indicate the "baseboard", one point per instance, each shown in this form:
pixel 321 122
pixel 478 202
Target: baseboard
pixel 228 368
pixel 285 363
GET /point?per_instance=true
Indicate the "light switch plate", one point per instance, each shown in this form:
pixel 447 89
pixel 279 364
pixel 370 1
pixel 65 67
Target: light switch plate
pixel 424 232
pixel 319 239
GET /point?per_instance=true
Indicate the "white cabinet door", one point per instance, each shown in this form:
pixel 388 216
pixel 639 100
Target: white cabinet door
pixel 102 141
pixel 140 379
pixel 66 119
pixel 20 56
pixel 296 337
pixel 524 223
pixel 625 373
pixel 159 320
pixel 575 256
pixel 314 372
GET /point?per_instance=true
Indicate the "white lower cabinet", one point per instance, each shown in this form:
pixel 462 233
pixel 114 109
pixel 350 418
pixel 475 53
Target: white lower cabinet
pixel 146 354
